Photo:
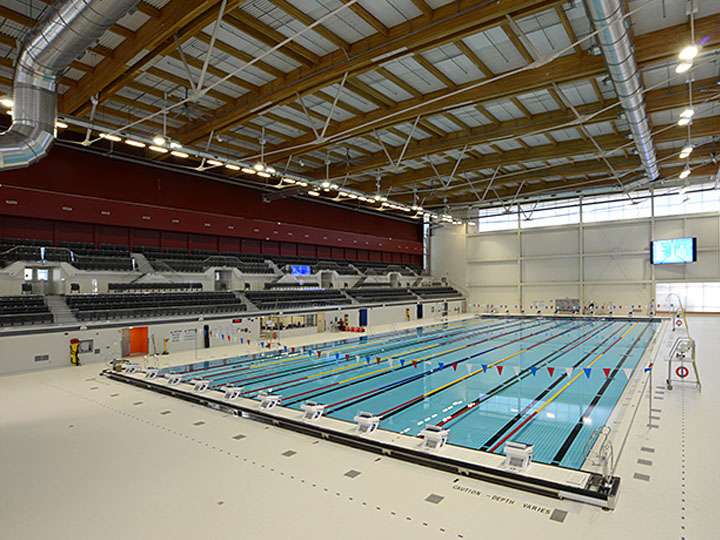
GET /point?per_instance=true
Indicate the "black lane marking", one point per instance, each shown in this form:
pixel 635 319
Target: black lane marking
pixel 267 375
pixel 518 378
pixel 562 451
pixel 393 411
pixel 397 383
pixel 510 423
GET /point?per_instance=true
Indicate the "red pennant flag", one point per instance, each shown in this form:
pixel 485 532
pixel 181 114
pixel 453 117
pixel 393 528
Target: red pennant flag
pixel 551 370
pixel 347 357
pixel 378 359
pixel 293 350
pixel 414 363
pixel 500 368
pixel 454 367
pixel 319 353
pixel 606 371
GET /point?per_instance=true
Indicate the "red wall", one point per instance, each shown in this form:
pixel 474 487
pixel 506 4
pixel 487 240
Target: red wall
pixel 80 173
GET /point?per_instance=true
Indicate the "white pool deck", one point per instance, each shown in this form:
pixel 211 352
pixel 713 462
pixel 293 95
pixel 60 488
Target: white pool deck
pixel 83 457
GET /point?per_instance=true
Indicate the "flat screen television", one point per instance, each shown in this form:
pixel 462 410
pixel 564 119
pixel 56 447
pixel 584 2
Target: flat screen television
pixel 673 251
pixel 300 270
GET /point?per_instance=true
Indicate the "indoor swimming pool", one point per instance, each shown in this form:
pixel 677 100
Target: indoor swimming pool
pixel 550 382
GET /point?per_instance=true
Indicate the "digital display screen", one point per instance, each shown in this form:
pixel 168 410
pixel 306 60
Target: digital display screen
pixel 673 251
pixel 300 270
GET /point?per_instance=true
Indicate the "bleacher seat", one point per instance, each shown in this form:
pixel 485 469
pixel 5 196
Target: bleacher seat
pixel 22 310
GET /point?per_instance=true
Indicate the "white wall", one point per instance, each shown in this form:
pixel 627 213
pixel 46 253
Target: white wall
pixel 607 263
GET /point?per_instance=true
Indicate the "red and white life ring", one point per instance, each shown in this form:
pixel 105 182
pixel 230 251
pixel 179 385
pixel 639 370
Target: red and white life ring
pixel 274 335
pixel 678 323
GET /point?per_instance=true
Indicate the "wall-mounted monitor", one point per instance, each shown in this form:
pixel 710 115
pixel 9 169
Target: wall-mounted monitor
pixel 300 270
pixel 673 251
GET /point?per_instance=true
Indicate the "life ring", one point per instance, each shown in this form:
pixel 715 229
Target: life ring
pixel 678 322
pixel 274 335
pixel 682 372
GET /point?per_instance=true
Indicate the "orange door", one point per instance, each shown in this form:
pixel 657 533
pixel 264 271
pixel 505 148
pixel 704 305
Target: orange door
pixel 139 340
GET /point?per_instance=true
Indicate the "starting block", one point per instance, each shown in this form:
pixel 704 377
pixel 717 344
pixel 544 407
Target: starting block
pixel 233 392
pixel 518 455
pixel 151 372
pixel 434 437
pixel 313 410
pixel 200 385
pixel 268 401
pixel 366 423
pixel 131 368
pixel 173 379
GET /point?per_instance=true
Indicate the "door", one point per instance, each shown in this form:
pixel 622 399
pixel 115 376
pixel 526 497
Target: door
pixel 321 322
pixel 363 317
pixel 139 340
pixel 419 311
pixel 206 336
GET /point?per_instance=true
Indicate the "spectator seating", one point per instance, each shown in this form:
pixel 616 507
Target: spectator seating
pixel 279 299
pixel 292 286
pixel 82 255
pixel 153 287
pixel 89 307
pixel 436 292
pixel 380 294
pixel 26 309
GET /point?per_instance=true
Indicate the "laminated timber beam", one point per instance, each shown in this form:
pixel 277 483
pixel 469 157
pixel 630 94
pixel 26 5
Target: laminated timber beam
pixel 449 23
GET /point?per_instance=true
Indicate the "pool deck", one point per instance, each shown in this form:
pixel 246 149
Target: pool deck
pixel 82 456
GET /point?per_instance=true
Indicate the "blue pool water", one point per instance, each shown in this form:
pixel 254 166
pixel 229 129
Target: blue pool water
pixel 549 382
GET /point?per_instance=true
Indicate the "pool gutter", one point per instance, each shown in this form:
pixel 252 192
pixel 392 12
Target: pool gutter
pixel 547 480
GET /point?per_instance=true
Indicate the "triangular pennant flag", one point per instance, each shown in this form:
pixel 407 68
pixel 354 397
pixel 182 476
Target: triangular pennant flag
pixel 402 362
pixel 587 371
pixel 357 358
pixel 441 365
pixel 569 371
pixel 500 368
pixel 347 357
pixel 319 353
pixel 241 340
pixel 293 350
pixel 285 348
pixel 390 361
pixel 378 359
pixel 222 336
pixel 484 367
pixel 367 359
pixel 414 364
pixel 517 370
pixel 469 368
pixel 454 366
pixel 606 371
pixel 337 356
pixel 262 344
pixel 533 370
pixel 551 370
pixel 628 372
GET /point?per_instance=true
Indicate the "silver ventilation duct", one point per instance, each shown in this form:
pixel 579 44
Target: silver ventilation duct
pixel 62 36
pixel 618 52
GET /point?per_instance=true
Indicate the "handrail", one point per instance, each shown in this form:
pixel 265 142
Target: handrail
pixel 687 331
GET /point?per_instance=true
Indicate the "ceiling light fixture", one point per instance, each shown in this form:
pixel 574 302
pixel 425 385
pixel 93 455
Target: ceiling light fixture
pixel 233 167
pixel 684 121
pixel 313 193
pixel 214 163
pixel 110 137
pixel 61 125
pixel 136 144
pixel 159 140
pixel 688 53
pixel 7 102
pixel 263 174
pixel 288 180
pixel 179 154
pixel 247 170
pixel 175 145
pixel 259 167
pixel 159 149
pixel 687 113
pixel 683 67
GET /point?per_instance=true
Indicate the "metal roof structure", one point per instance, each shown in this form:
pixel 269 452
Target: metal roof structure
pixel 439 104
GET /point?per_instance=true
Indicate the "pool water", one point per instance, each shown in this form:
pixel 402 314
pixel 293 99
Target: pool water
pixel 545 381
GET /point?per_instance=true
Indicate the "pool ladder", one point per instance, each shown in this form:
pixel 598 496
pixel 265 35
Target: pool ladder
pixel 604 456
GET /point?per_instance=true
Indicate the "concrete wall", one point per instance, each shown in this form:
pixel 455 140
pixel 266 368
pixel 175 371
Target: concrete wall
pixel 607 263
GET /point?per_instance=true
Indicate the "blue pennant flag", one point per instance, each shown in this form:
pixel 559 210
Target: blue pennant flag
pixel 222 336
pixel 262 345
pixel 441 365
pixel 337 356
pixel 242 340
pixel 285 347
pixel 587 371
pixel 484 366
pixel 402 362
pixel 367 359
pixel 533 370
